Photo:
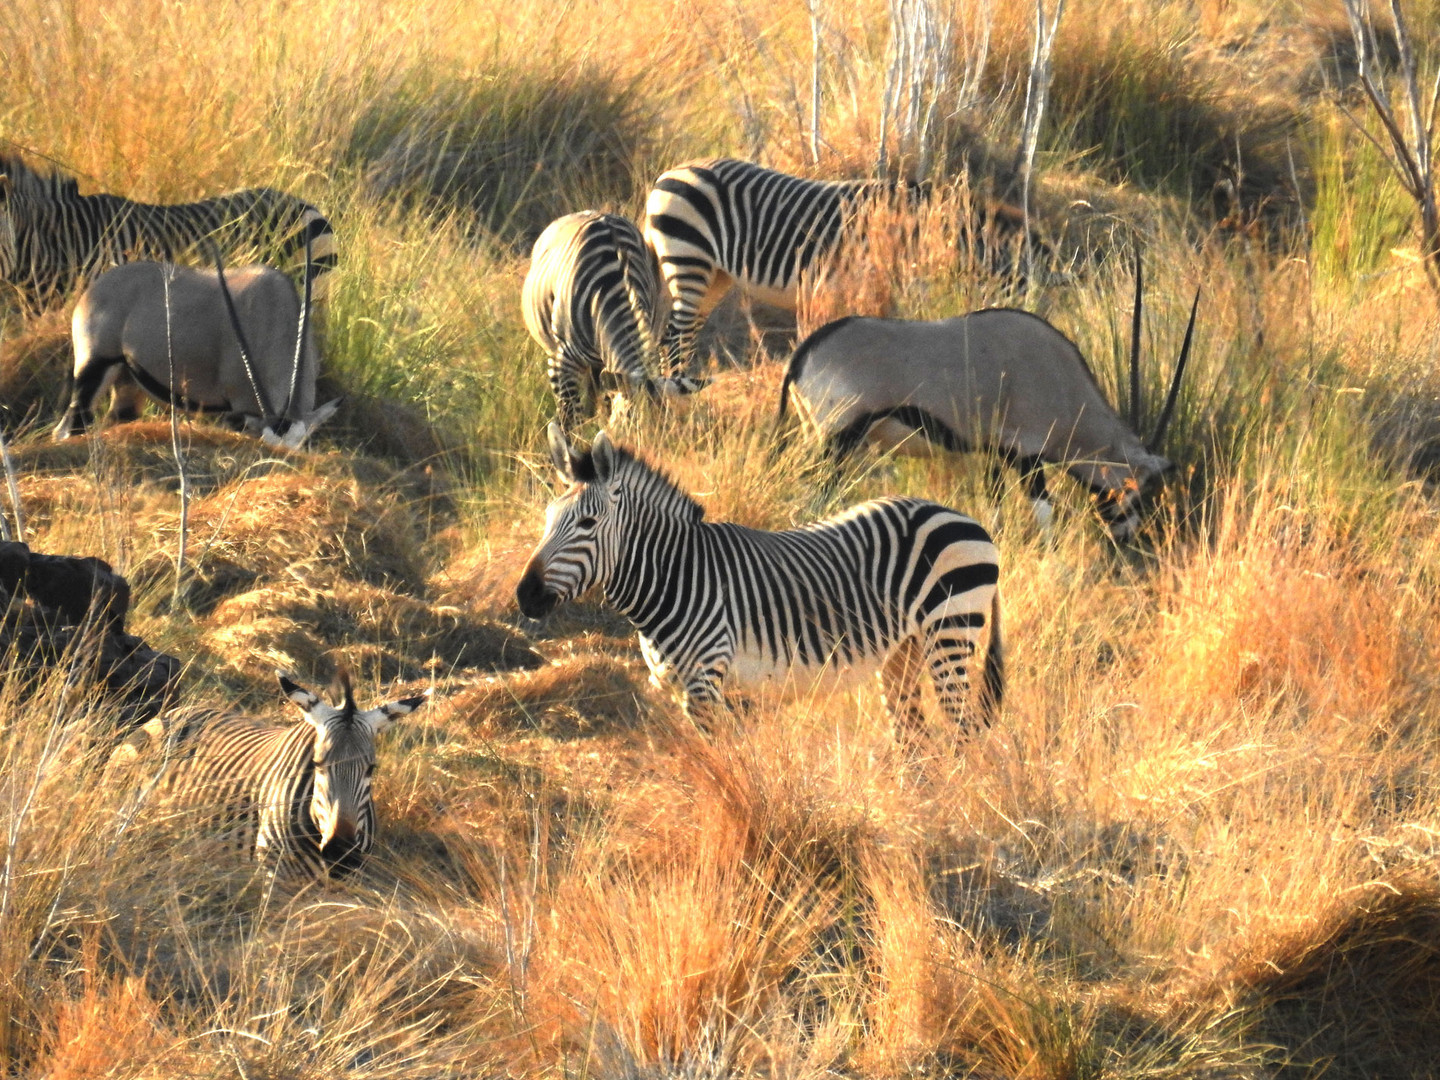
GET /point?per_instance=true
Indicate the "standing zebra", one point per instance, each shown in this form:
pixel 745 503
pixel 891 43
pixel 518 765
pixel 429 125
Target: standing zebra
pixel 892 585
pixel 51 235
pixel 717 223
pixel 592 299
pixel 296 795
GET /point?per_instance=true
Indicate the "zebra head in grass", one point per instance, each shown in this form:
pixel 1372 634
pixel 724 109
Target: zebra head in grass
pixel 341 809
pixel 614 504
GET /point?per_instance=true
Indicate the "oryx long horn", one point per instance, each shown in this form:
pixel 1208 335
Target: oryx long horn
pixel 1135 346
pixel 1174 393
pixel 267 414
pixel 304 323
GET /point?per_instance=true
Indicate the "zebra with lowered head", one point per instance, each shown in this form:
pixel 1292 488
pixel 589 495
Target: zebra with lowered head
pixel 722 222
pixel 894 585
pixel 294 796
pixel 52 237
pixel 593 300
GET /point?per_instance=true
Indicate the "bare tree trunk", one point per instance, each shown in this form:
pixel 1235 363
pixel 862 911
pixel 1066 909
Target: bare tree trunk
pixel 14 496
pixel 1037 88
pixel 815 62
pixel 1409 154
pixel 178 596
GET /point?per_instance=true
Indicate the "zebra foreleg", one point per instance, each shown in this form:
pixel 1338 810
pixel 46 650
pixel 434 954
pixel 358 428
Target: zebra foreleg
pixel 567 371
pixel 703 702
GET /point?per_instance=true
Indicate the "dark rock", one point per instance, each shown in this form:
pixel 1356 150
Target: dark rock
pixel 65 609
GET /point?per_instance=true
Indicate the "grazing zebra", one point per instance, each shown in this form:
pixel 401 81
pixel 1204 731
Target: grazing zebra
pixel 297 795
pixel 51 236
pixel 717 223
pixel 893 585
pixel 591 298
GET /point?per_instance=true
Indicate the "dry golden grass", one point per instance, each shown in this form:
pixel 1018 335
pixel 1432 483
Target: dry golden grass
pixel 1201 843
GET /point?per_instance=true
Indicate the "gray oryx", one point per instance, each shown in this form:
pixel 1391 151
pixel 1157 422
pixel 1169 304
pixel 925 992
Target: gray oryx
pixel 894 586
pixel 238 344
pixel 295 796
pixel 1001 380
pixel 593 300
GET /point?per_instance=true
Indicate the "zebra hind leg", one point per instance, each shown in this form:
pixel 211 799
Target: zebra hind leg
pixel 900 689
pixel 948 654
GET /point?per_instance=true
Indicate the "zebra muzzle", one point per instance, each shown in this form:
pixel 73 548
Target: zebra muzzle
pixel 535 599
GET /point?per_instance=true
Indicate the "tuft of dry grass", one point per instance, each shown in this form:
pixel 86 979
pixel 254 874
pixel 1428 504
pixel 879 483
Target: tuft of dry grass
pixel 1200 843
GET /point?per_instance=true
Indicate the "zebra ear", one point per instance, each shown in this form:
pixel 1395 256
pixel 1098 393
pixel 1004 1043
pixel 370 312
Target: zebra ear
pixel 298 694
pixel 559 451
pixel 602 453
pixel 382 717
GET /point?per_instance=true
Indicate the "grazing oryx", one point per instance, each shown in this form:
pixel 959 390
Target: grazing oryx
pixel 592 299
pixel 999 379
pixel 717 223
pixel 185 337
pixel 293 796
pixel 894 585
pixel 51 235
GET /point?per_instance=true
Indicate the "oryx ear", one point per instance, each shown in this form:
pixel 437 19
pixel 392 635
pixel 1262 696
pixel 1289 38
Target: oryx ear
pixel 559 450
pixel 602 453
pixel 296 693
pixel 380 718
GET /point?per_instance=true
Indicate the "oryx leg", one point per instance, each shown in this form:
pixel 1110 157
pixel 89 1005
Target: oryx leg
pixel 900 688
pixel 93 376
pixel 1032 474
pixel 841 444
pixel 127 398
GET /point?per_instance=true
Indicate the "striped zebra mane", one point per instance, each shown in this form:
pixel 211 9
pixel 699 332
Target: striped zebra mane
pixel 655 489
pixel 27 181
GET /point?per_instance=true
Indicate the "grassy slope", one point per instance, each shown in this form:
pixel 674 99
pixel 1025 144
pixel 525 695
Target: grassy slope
pixel 1202 841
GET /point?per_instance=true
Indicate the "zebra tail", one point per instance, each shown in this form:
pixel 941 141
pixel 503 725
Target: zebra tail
pixel 992 692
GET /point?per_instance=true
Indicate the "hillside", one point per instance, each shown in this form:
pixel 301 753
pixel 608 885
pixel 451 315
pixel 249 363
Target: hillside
pixel 1202 840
